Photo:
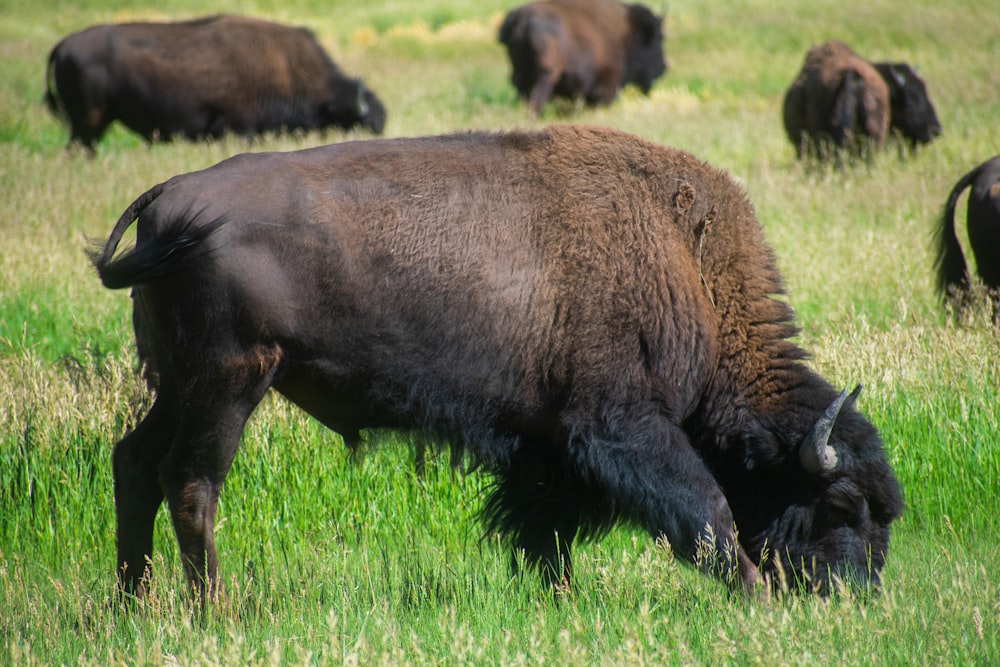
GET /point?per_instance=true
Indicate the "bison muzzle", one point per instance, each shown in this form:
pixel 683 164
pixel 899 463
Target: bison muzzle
pixel 599 335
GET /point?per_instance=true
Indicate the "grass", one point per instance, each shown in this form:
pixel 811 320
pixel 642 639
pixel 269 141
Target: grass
pixel 333 561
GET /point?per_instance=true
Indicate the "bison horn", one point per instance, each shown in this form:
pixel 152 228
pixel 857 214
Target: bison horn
pixel 362 103
pixel 815 454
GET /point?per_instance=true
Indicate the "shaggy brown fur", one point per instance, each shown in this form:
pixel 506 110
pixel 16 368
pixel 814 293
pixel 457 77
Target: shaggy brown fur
pixel 838 100
pixel 588 316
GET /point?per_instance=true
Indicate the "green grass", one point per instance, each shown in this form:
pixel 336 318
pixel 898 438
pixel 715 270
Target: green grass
pixel 332 561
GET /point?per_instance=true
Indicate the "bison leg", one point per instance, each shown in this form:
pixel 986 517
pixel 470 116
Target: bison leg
pixel 538 511
pixel 657 479
pixel 138 495
pixel 541 92
pixel 216 408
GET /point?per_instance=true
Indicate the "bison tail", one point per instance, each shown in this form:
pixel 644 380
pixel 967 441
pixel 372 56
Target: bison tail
pixel 51 101
pixel 848 106
pixel 155 258
pixel 952 272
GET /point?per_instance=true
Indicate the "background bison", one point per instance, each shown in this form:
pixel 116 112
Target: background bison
pixel 983 220
pixel 838 101
pixel 202 78
pixel 600 335
pixel 582 49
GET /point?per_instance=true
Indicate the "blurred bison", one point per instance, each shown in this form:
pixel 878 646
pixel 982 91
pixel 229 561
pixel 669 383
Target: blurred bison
pixel 838 101
pixel 585 49
pixel 202 78
pixel 912 113
pixel 983 220
pixel 600 335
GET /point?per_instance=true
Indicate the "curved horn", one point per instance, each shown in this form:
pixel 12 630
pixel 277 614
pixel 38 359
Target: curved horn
pixel 360 103
pixel 815 455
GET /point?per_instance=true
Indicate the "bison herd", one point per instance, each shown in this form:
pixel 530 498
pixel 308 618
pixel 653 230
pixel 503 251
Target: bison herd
pixel 601 336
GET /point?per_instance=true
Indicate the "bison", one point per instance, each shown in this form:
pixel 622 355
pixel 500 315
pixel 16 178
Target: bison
pixel 838 101
pixel 585 49
pixel 912 115
pixel 983 220
pixel 601 336
pixel 202 78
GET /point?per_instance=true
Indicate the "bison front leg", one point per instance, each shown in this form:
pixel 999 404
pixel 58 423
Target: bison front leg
pixel 655 478
pixel 542 91
pixel 536 508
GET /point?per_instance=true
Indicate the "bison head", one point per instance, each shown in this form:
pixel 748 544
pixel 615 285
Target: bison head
pixel 913 114
pixel 352 103
pixel 815 509
pixel 644 60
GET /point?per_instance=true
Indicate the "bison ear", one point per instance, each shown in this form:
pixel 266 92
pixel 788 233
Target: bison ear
pixel 815 453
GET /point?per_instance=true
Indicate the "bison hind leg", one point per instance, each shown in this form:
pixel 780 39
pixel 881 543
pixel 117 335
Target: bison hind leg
pixel 138 494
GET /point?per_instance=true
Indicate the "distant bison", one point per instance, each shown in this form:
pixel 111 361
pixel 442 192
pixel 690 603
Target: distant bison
pixel 585 49
pixel 838 101
pixel 202 78
pixel 912 113
pixel 983 220
pixel 601 335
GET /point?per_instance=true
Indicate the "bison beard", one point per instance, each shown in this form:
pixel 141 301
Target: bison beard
pixel 589 317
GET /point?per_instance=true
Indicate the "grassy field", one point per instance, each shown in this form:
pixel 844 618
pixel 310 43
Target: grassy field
pixel 329 561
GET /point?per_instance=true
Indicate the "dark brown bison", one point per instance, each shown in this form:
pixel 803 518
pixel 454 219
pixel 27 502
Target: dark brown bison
pixel 582 49
pixel 599 335
pixel 202 78
pixel 838 101
pixel 983 220
pixel 912 115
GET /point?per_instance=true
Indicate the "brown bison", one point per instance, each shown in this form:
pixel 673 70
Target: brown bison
pixel 599 335
pixel 585 49
pixel 912 115
pixel 838 101
pixel 983 220
pixel 202 78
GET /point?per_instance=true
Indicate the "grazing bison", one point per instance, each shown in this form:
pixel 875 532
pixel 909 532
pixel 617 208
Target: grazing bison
pixel 599 335
pixel 912 115
pixel 202 78
pixel 585 49
pixel 837 101
pixel 983 220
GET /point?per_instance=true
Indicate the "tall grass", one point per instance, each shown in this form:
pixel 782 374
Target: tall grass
pixel 332 561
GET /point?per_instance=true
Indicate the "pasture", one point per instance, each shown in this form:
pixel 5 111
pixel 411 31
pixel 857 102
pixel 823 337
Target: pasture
pixel 326 560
